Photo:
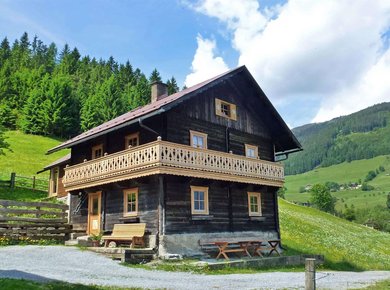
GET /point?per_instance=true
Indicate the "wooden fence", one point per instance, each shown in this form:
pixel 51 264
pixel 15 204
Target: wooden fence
pixel 19 181
pixel 35 220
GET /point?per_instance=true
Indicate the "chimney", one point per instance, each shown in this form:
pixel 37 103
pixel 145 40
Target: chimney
pixel 159 89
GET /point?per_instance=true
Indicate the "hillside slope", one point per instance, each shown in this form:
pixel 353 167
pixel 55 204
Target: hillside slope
pixel 344 173
pixel 28 154
pixel 361 135
pixel 344 244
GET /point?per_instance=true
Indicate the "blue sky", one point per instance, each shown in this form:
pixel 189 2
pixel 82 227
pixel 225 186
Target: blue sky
pixel 315 60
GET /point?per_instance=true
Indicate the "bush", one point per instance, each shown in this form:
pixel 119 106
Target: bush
pixel 370 176
pixel 367 187
pixel 332 186
pixel 282 192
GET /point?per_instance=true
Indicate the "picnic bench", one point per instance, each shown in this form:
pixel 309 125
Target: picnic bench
pixel 241 245
pixel 132 233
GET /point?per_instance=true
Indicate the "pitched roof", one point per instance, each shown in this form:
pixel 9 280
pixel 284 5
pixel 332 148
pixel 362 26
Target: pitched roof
pixel 132 115
pixel 164 103
pixel 63 160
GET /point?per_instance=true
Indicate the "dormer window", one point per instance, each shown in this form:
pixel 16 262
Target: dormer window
pixel 132 140
pixel 225 109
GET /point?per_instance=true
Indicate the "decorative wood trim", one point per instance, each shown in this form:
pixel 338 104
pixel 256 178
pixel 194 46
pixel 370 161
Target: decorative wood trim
pixel 232 109
pixel 162 157
pixel 254 213
pixel 254 147
pixel 199 134
pixel 96 148
pixel 126 192
pixel 131 136
pixel 206 200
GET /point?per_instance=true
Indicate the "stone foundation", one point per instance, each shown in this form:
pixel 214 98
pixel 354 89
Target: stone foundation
pixel 188 244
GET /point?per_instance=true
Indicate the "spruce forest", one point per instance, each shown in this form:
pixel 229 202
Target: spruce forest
pixel 361 135
pixel 45 91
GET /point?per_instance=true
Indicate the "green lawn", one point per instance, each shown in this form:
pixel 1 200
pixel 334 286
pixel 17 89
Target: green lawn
pixel 344 173
pixel 27 155
pixel 345 245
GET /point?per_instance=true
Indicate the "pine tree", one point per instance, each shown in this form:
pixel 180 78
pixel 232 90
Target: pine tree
pixel 5 51
pixel 155 76
pixel 172 86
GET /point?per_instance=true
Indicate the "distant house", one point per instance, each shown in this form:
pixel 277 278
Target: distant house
pixel 196 164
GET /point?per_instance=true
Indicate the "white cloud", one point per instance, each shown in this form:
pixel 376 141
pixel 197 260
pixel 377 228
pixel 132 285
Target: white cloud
pixel 205 64
pixel 331 50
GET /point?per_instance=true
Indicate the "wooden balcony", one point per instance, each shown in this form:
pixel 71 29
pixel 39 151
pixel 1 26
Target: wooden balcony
pixel 161 157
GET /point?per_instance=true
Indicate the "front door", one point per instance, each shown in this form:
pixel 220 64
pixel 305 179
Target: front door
pixel 94 209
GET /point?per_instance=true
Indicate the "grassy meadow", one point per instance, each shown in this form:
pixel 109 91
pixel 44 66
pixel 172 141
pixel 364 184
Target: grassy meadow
pixel 345 245
pixel 344 173
pixel 27 155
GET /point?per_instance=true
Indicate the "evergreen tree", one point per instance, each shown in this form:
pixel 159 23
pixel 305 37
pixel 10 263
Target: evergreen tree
pixel 3 143
pixel 155 76
pixel 172 86
pixel 5 51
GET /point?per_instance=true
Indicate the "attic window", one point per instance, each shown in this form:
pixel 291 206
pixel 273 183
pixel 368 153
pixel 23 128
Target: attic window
pixel 225 109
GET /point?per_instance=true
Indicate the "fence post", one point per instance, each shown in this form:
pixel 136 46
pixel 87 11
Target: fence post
pixel 12 181
pixel 310 274
pixel 33 181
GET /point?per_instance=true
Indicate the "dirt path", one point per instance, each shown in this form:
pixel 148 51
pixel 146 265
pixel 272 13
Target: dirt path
pixel 75 266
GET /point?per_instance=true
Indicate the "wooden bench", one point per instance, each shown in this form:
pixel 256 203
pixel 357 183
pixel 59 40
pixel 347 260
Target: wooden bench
pixel 132 233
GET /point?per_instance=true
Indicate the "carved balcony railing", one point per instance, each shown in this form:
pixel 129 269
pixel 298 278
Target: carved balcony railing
pixel 161 157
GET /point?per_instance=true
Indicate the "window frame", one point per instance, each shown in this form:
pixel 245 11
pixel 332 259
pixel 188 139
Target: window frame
pixel 206 200
pixel 259 212
pixel 96 148
pixel 232 109
pixel 255 148
pixel 198 134
pixel 129 137
pixel 126 193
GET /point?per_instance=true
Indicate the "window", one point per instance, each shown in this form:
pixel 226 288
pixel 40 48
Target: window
pixel 199 200
pixel 54 173
pixel 251 151
pixel 97 151
pixel 225 109
pixel 132 140
pixel 198 140
pixel 254 203
pixel 130 202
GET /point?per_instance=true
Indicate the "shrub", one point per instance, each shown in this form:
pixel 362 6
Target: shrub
pixel 367 187
pixel 370 176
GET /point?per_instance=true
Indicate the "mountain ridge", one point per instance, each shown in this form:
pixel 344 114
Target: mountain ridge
pixel 360 135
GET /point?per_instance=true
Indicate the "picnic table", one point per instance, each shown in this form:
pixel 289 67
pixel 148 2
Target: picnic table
pixel 271 245
pixel 225 247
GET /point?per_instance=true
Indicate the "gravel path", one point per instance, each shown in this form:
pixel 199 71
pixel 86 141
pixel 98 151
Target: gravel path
pixel 75 266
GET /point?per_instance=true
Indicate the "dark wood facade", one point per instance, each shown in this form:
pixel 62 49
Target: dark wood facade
pixel 164 200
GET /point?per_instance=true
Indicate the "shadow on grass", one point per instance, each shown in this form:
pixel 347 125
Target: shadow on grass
pixel 343 265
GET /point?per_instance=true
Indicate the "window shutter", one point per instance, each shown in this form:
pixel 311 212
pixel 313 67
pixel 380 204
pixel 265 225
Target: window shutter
pixel 218 107
pixel 233 112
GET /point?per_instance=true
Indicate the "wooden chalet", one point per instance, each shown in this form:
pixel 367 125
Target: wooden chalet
pixel 194 165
